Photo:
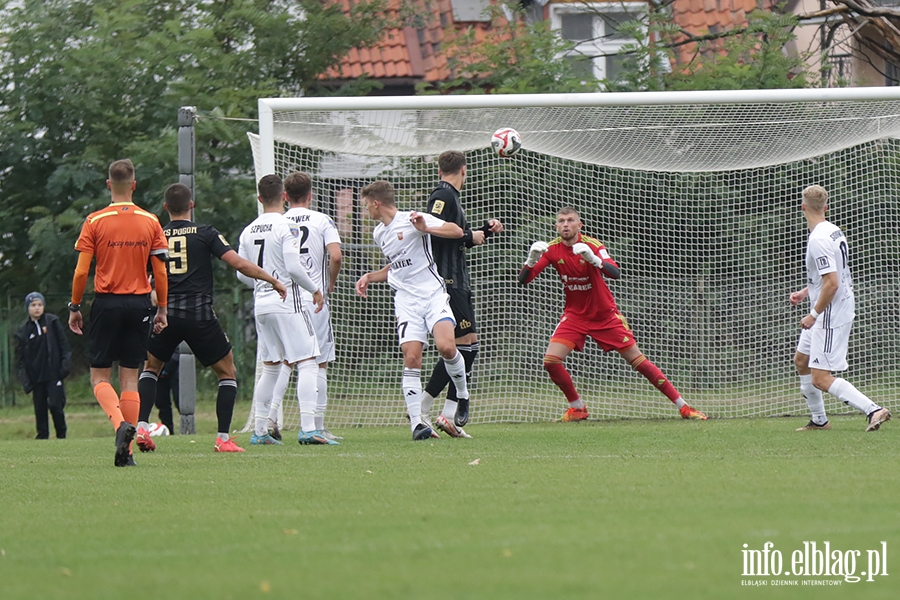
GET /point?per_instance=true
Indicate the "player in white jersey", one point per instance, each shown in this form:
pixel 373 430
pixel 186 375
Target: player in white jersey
pixel 823 343
pixel 421 303
pixel 320 253
pixel 283 328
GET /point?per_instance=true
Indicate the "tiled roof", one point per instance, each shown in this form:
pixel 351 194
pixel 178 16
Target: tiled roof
pixel 413 54
pixel 408 53
pixel 699 17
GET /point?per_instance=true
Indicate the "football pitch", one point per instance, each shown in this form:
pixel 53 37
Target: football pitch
pixel 600 509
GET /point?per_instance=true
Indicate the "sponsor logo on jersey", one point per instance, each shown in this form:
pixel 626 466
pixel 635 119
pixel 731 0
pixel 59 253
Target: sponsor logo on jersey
pixel 438 207
pixel 561 262
pixel 464 324
pixel 822 262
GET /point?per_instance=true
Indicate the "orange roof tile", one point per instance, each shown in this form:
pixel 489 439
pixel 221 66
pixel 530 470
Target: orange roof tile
pixel 407 52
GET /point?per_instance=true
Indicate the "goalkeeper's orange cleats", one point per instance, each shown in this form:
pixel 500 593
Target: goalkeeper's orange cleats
pixel 691 413
pixel 575 414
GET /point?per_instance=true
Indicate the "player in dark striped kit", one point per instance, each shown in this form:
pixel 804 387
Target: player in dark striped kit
pixel 450 258
pixel 191 317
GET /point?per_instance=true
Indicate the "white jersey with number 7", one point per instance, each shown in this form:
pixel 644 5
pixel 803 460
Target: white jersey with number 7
pixel 273 243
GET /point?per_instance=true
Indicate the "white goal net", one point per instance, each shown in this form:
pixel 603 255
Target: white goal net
pixel 695 194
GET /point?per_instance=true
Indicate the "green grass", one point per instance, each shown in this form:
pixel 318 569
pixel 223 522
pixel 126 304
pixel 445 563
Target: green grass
pixel 623 509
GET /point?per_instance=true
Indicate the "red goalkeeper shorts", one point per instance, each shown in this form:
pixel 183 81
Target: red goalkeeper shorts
pixel 613 334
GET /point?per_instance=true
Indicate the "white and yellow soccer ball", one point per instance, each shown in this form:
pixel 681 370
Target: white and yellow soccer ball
pixel 506 142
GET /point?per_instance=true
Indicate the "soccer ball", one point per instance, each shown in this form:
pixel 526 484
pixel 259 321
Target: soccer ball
pixel 158 429
pixel 506 141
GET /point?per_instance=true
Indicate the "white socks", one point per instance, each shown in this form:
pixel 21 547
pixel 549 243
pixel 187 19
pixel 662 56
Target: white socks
pixel 262 397
pixel 814 400
pixel 322 398
pixel 846 392
pixel 281 385
pixel 456 368
pixel 412 393
pixel 307 375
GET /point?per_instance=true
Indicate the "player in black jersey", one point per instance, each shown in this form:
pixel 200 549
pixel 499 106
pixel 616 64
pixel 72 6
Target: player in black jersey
pixel 191 316
pixel 450 257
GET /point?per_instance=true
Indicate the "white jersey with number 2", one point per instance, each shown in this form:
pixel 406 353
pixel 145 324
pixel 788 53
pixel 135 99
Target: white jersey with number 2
pixel 827 252
pixel 273 243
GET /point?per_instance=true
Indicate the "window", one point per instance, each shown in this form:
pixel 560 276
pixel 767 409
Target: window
pixel 594 28
pixel 471 11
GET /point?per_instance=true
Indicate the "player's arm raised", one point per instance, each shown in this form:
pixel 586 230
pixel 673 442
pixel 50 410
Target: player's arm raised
pixel 599 259
pixel 248 269
pixel 379 276
pixel 434 226
pixel 531 268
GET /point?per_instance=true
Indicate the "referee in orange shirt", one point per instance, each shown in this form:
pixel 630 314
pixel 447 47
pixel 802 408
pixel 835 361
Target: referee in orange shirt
pixel 122 237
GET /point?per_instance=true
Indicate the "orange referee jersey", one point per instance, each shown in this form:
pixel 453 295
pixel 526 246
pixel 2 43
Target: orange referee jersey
pixel 122 236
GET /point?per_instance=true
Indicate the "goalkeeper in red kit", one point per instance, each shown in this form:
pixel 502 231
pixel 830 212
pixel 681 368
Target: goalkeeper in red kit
pixel 581 262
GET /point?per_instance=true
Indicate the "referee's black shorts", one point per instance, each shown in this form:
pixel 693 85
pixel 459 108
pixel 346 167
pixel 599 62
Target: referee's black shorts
pixel 119 327
pixel 463 311
pixel 206 338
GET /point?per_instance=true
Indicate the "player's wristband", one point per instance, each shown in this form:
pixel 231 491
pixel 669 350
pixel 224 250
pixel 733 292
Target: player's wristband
pixel 467 237
pixel 813 313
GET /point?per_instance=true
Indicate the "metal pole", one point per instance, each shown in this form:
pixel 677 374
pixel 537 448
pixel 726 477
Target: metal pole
pixel 187 369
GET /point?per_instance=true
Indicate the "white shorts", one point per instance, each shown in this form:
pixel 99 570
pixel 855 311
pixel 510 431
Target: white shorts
pixel 324 333
pixel 826 348
pixel 286 337
pixel 416 317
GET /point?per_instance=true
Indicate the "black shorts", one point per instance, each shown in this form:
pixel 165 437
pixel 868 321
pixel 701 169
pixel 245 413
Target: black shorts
pixel 207 340
pixel 463 311
pixel 119 327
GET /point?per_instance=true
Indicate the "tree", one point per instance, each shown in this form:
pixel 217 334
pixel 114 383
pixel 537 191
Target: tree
pixel 516 57
pixel 665 57
pixel 85 82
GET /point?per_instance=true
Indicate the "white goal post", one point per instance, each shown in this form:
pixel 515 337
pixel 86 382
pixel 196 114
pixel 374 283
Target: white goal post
pixel 695 194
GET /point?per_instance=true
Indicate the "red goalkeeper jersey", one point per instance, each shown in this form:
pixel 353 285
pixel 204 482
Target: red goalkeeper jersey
pixel 587 295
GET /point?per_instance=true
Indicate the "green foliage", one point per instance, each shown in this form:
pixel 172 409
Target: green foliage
pixel 87 82
pixel 515 58
pixel 749 57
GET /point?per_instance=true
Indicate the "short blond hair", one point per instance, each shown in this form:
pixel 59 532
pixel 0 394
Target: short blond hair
pixel 815 197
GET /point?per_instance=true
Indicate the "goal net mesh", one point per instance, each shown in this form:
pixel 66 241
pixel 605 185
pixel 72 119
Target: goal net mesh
pixel 700 206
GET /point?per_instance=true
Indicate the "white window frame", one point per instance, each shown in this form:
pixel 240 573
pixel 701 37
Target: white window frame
pixel 596 47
